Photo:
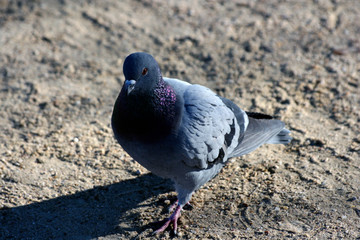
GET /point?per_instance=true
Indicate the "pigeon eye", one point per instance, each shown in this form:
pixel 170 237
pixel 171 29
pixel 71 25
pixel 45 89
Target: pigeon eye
pixel 144 71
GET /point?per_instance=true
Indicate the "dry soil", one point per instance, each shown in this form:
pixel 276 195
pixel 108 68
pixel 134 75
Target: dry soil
pixel 63 176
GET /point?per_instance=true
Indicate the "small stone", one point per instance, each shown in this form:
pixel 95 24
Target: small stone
pixel 331 20
pixel 352 199
pixel 119 62
pixel 70 68
pixel 39 160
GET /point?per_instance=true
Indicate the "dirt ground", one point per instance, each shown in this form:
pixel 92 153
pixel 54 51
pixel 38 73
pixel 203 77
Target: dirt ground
pixel 63 176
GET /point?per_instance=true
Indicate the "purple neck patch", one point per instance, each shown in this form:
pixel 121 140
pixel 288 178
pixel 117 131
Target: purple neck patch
pixel 165 94
pixel 165 98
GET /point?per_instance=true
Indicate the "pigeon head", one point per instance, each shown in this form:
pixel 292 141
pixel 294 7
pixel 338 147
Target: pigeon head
pixel 147 108
pixel 142 73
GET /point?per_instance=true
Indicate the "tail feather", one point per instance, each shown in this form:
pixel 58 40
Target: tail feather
pixel 282 137
pixel 259 132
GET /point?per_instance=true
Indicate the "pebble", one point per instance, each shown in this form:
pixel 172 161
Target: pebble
pixel 352 199
pixel 119 62
pixel 70 68
pixel 39 160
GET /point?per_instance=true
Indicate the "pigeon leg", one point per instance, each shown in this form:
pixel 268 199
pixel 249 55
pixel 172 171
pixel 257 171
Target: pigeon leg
pixel 187 206
pixel 172 219
pixel 173 206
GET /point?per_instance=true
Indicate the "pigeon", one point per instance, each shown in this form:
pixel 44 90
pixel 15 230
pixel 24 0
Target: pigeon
pixel 182 131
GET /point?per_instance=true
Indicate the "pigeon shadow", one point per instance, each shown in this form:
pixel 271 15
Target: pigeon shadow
pixel 84 215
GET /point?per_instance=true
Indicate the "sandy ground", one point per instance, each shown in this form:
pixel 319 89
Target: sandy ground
pixel 63 176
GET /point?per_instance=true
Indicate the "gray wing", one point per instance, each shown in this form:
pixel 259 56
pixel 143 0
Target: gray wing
pixel 209 130
pixel 214 128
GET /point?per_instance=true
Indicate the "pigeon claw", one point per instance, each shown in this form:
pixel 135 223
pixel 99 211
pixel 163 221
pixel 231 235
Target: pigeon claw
pixel 172 219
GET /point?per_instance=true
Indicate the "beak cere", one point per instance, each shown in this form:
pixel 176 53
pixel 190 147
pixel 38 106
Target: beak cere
pixel 130 84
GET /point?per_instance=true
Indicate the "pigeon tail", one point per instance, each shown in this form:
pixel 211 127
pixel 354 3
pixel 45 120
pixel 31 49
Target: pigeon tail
pixel 260 131
pixel 282 137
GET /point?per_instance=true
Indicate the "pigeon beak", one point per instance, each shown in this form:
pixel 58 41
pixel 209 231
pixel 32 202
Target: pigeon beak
pixel 129 85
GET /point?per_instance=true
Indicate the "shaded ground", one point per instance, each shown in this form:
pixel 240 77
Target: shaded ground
pixel 63 175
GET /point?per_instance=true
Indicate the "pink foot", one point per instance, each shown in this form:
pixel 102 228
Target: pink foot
pixel 172 219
